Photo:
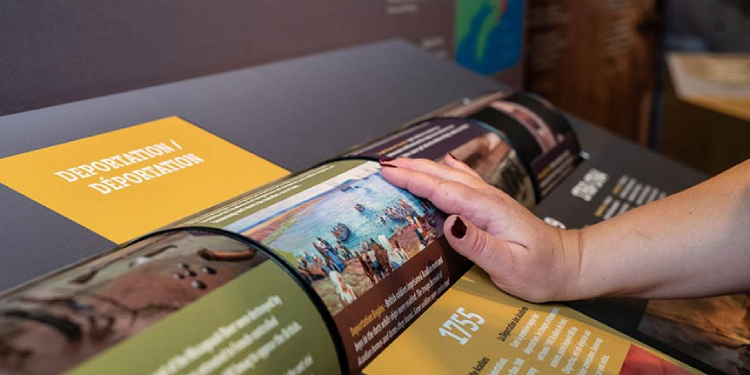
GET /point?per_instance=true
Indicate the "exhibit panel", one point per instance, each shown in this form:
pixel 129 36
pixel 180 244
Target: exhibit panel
pixel 367 290
pixel 364 258
pixel 180 301
pixel 615 176
pixel 709 333
pixel 477 329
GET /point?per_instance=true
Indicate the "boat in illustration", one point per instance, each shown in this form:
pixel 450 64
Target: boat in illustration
pixel 340 231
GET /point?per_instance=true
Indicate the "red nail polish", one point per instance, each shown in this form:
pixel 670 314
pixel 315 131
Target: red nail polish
pixel 386 159
pixel 453 156
pixel 386 165
pixel 458 229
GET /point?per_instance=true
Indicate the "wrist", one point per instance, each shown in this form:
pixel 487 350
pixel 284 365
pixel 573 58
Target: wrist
pixel 572 252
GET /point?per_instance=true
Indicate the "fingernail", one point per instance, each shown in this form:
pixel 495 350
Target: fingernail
pixel 453 156
pixel 386 159
pixel 384 163
pixel 458 229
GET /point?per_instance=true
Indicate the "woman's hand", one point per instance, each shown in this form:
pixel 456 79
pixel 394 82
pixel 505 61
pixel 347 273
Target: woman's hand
pixel 691 244
pixel 524 256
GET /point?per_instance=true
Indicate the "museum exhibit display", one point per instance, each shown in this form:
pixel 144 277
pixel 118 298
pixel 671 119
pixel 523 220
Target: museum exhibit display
pixel 238 223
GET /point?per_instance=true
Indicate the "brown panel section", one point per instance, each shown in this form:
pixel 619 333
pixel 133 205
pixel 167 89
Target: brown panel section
pixel 596 59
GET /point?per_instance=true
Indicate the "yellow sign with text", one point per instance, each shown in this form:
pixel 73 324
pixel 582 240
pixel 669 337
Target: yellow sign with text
pixel 476 329
pixel 128 182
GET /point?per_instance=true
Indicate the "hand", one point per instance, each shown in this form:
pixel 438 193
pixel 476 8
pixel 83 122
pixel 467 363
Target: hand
pixel 523 256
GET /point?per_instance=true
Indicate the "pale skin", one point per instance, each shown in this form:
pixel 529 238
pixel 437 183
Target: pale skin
pixel 693 244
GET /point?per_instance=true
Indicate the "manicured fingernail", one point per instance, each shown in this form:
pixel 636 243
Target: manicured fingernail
pixel 386 159
pixel 453 156
pixel 384 163
pixel 458 229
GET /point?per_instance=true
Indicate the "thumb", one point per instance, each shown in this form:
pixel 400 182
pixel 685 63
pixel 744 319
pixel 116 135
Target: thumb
pixel 485 250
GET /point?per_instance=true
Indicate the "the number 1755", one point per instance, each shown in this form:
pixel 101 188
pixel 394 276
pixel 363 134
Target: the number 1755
pixel 461 325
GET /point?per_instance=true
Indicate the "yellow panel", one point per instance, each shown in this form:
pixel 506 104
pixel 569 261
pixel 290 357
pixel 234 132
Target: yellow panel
pixel 128 182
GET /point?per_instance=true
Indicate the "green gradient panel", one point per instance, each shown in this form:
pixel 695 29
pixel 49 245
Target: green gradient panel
pixel 466 10
pixel 151 349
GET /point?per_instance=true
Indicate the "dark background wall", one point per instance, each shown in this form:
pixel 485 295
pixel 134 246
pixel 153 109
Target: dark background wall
pixel 54 52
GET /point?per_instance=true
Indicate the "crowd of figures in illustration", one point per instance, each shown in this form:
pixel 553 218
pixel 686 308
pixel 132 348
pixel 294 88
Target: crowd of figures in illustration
pixel 405 233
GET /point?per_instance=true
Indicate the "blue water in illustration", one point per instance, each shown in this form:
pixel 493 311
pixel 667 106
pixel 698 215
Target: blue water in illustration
pixel 338 207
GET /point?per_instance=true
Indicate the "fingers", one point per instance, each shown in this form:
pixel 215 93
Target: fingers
pixel 453 162
pixel 488 252
pixel 443 171
pixel 449 196
pixel 455 191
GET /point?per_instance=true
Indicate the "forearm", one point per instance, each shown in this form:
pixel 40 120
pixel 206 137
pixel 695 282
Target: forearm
pixel 695 243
